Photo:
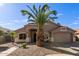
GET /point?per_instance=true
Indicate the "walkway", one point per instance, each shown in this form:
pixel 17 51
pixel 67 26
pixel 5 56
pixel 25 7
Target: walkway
pixel 7 52
pixel 7 48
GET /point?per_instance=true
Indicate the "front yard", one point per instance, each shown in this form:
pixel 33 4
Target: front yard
pixel 71 49
pixel 54 49
pixel 33 50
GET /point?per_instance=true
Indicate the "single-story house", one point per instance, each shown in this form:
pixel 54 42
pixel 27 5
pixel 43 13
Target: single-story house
pixel 54 32
pixel 77 34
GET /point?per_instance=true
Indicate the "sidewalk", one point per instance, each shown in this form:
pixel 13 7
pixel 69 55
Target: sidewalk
pixel 59 55
pixel 5 53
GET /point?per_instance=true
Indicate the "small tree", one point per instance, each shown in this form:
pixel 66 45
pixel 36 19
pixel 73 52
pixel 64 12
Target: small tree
pixel 13 35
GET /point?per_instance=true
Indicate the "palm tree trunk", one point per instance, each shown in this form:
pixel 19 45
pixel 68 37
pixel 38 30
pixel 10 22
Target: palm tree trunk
pixel 40 37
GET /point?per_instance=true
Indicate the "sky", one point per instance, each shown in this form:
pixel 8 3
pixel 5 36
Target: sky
pixel 11 17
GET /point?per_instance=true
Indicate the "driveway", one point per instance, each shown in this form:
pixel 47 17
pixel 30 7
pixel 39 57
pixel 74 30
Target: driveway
pixel 5 46
pixel 66 48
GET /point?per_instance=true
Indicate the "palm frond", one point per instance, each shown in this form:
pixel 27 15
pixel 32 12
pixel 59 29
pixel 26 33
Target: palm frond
pixel 24 12
pixel 34 8
pixel 31 20
pixel 45 7
pixel 31 10
pixel 53 18
pixel 51 13
pixel 29 17
pixel 54 12
pixel 39 8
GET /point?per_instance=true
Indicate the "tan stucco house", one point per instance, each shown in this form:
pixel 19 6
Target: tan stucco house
pixel 53 32
pixel 77 34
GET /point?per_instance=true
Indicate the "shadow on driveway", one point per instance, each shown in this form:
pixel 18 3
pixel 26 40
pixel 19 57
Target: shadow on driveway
pixel 3 48
pixel 63 45
pixel 64 51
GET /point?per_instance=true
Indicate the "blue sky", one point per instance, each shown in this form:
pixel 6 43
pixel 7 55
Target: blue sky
pixel 11 17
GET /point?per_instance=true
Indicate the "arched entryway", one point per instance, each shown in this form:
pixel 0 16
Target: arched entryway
pixel 33 35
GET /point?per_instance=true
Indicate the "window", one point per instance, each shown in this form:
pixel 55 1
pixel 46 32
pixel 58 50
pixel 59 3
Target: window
pixel 22 36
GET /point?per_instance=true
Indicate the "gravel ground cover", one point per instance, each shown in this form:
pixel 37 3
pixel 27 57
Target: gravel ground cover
pixel 32 50
pixel 51 49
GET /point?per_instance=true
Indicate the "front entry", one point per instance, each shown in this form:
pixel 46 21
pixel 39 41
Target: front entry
pixel 33 35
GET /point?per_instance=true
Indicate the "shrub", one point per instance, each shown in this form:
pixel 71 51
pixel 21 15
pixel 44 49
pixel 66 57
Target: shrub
pixel 23 45
pixel 1 32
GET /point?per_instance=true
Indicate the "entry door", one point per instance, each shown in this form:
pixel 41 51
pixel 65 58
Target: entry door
pixel 33 36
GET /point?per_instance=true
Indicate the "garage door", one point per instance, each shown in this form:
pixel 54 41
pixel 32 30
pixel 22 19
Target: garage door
pixel 62 37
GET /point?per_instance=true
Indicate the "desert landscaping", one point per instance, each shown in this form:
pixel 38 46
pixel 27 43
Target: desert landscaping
pixel 41 35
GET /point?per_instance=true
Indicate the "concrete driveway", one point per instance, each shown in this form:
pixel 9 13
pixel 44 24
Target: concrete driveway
pixel 71 49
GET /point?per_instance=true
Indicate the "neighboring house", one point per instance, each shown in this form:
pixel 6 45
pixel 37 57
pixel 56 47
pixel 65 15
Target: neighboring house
pixel 77 34
pixel 4 29
pixel 53 32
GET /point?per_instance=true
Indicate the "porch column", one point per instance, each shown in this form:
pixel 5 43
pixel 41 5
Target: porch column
pixel 28 37
pixel 74 39
pixel 52 38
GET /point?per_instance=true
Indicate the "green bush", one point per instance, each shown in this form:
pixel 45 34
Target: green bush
pixel 23 45
pixel 1 32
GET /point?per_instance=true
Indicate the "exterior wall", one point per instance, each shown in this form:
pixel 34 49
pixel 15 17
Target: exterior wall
pixel 77 35
pixel 17 37
pixel 62 37
pixel 20 31
pixel 59 35
pixel 56 35
pixel 26 29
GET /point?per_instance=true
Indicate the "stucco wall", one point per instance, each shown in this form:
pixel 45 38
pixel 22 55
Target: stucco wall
pixel 62 36
pixel 57 35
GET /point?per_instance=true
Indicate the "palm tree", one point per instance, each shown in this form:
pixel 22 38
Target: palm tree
pixel 40 16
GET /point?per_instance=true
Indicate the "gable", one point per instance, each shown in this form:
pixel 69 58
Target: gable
pixel 50 26
pixel 63 29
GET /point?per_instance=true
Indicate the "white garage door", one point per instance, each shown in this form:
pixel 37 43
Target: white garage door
pixel 62 37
